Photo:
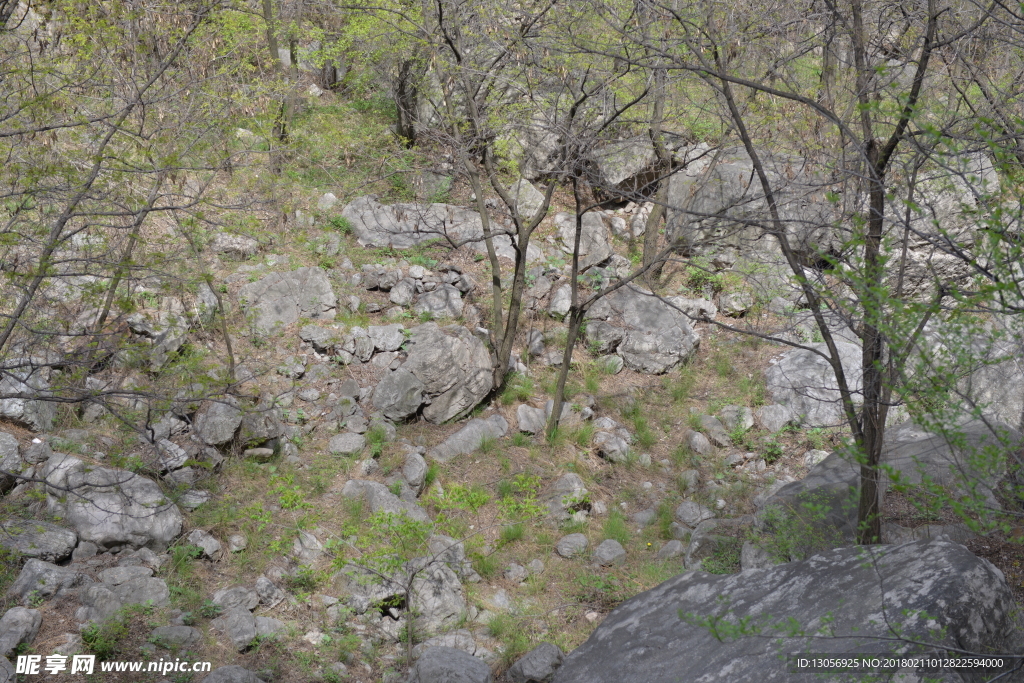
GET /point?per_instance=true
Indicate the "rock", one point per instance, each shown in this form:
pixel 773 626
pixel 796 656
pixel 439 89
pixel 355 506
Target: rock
pixel 18 625
pixel 735 304
pixel 460 640
pixel 611 364
pixel 691 514
pixel 401 226
pixel 99 603
pixel 452 553
pixel 813 457
pixel 307 548
pixel 715 431
pixel 560 302
pixel 625 167
pixel 42 540
pixel 753 556
pixel 609 552
pixel 449 665
pixel 210 545
pixel 526 198
pixel 804 382
pixel 380 498
pixel 217 421
pixel 84 551
pixel 11 462
pixel 346 444
pixel 469 438
pixel 538 665
pixel 280 299
pixel 611 447
pixel 967 600
pixel 176 637
pixel 322 339
pixel 238 246
pixel 446 368
pixel 143 591
pixel 269 594
pixel 28 378
pixel 236 597
pixel 40 580
pixel 774 418
pixel 386 337
pixel 238 625
pixel 689 479
pixel 644 517
pixel 443 302
pixel 326 202
pixel 415 470
pixel 655 336
pixel 237 543
pixel 111 507
pixel 571 545
pixel 115 576
pixel 269 627
pixel 7 671
pixel 515 573
pixel 736 417
pixel 531 420
pixel 673 548
pixel 402 293
pixel 695 309
pixel 568 497
pixel 698 443
pixel 594 238
pixel 232 674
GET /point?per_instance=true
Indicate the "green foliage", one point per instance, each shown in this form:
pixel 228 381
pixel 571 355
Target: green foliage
pixel 790 535
pixel 771 451
pixel 601 590
pixel 376 438
pixel 511 533
pixel 701 275
pixel 616 527
pixel 519 502
pixel 520 440
pixel 304 580
pixel 106 639
pixel 724 559
pixel 519 388
pixel 514 634
pixel 460 497
pixel 431 476
pixel 341 224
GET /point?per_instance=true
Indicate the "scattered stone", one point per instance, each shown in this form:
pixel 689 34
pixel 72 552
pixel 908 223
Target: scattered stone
pixel 269 594
pixel 691 514
pixel 469 438
pixel 18 626
pixel 535 566
pixel 516 573
pixel 347 444
pixel 538 665
pixel 115 576
pixel 443 302
pixel 176 637
pixel 217 421
pixel 736 417
pixel 40 580
pixel 42 540
pixel 236 597
pixel 572 545
pixel 210 545
pixel 673 548
pixel 610 552
pixel 239 625
pixel 415 470
pixel 561 301
pixel 259 454
pixel 449 665
pixel 805 382
pixel 698 443
pixel 611 447
pixel 237 246
pixel 531 420
pixel 813 457
pixel 774 418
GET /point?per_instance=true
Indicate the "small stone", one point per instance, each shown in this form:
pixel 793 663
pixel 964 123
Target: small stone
pixel 691 514
pixel 237 543
pixel 813 457
pixel 516 573
pixel 673 548
pixel 571 545
pixel 535 566
pixel 346 444
pixel 210 545
pixel 259 454
pixel 609 552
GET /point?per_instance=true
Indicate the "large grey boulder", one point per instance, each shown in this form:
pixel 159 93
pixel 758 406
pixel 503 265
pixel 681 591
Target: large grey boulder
pixel 280 299
pixel 236 596
pixel 717 196
pixel 40 580
pixel 239 625
pixel 143 591
pixel 346 443
pixel 444 302
pixel 655 336
pixel 625 167
pixel 469 438
pixel 449 665
pixel 805 382
pixel 232 674
pixel 29 380
pixel 42 540
pixel 531 420
pixel 526 197
pixel 447 369
pixel 595 247
pixel 18 625
pixel 111 507
pixel 538 665
pixel 217 421
pixel 865 593
pixel 973 460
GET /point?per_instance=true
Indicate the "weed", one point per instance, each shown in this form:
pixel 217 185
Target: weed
pixel 512 533
pixel 771 451
pixel 485 564
pixel 376 438
pixel 209 609
pixel 341 224
pixel 520 440
pixel 724 559
pixel 663 520
pixel 583 435
pixel 104 639
pixel 644 435
pixel 461 497
pixel 304 580
pixel 600 590
pixel 615 527
pixel 514 635
pixel 723 366
pixel 488 444
pixel 518 388
pixel 431 476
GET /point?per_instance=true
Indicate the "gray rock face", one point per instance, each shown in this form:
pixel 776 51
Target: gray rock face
pixel 18 625
pixel 98 603
pixel 594 245
pixel 673 548
pixel 460 640
pixel 447 368
pixel 804 382
pixel 526 197
pixel 238 624
pixel 560 301
pixel 236 597
pixel 269 594
pixel 691 514
pixel 11 463
pixel 401 226
pixel 531 420
pixel 736 417
pixel 655 336
pixel 232 674
pixel 42 540
pixel 280 299
pixel 217 421
pixel 239 246
pixel 115 576
pixel 445 302
pixel 210 545
pixel 698 443
pixel 386 337
pixel 626 166
pixel 571 545
pixel 111 507
pixel 609 552
pixel 40 580
pixel 380 498
pixel 469 438
pixel 177 637
pixel 538 665
pixel 775 417
pixel 7 674
pixel 715 431
pixel 143 591
pixel 415 470
pixel 322 339
pixel 347 444
pixel 611 446
pixel 449 665
pixel 644 640
pixel 28 378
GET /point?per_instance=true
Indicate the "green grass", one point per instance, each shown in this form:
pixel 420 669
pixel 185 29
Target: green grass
pixel 514 633
pixel 616 528
pixel 725 559
pixel 518 388
pixel 512 533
